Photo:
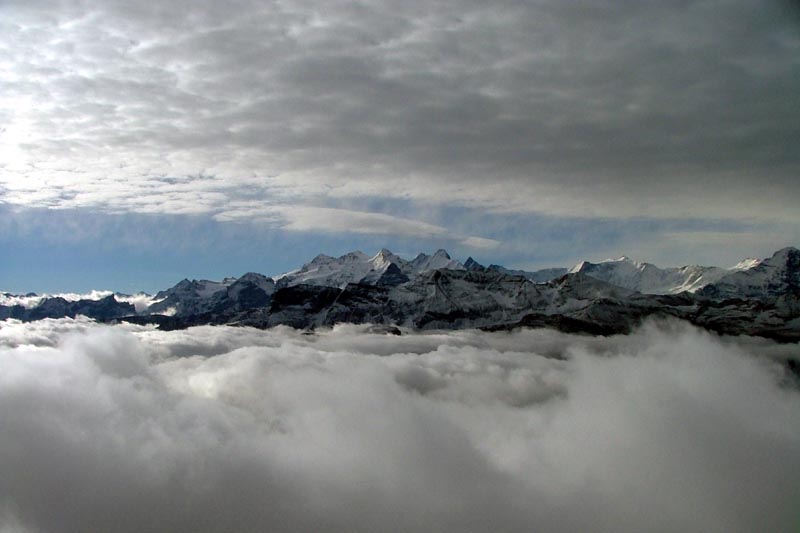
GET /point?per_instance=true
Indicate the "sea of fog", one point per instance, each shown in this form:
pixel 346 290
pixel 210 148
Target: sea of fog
pixel 128 428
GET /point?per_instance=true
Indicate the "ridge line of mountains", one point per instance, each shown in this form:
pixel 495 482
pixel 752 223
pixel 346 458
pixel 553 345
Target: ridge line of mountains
pixel 755 297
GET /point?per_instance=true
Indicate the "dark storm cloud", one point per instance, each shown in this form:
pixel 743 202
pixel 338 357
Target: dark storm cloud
pixel 127 428
pixel 569 108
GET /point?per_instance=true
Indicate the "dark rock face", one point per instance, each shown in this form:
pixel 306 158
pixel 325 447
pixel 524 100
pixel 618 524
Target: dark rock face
pixel 471 264
pixel 192 298
pixel 538 276
pixel 13 311
pixel 359 303
pixel 50 308
pixel 252 296
pixel 392 277
pixel 299 305
pixel 105 309
pixel 251 291
pixel 310 298
pixel 773 278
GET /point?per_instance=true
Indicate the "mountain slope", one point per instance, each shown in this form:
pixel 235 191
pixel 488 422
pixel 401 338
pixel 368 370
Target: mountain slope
pixel 648 278
pixel 771 278
pixel 357 267
pixel 193 297
pixel 537 276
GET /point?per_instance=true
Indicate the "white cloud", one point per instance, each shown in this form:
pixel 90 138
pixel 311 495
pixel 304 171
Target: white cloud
pixel 334 220
pixel 481 243
pixel 130 428
pixel 613 110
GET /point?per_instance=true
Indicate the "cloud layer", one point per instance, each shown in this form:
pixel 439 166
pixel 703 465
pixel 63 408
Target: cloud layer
pixel 611 109
pixel 128 428
pixel 331 220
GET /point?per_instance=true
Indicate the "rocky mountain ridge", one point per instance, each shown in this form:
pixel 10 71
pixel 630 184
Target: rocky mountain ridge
pixel 759 297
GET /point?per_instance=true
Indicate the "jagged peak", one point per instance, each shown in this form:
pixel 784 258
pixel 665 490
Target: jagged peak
pixel 620 259
pixel 580 267
pixel 383 259
pixel 625 260
pixel 355 255
pixel 321 258
pixel 253 275
pixel 471 264
pixel 184 283
pixel 785 252
pixel 392 267
pixel 384 255
pixel 747 264
pixel 788 257
pixel 420 259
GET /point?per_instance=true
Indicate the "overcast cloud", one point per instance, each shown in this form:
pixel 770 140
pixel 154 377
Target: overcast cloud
pixel 579 108
pixel 129 428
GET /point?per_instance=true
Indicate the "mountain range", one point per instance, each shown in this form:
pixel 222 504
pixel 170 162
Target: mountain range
pixel 756 297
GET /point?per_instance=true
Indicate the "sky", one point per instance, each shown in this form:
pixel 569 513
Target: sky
pixel 144 142
pixel 128 428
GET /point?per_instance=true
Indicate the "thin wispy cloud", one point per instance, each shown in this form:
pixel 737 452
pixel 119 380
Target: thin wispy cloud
pixel 332 220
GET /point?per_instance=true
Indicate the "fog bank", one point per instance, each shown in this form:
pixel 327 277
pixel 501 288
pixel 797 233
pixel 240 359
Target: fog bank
pixel 127 428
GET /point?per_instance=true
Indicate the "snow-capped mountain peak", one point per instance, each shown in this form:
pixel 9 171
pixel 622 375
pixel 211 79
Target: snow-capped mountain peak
pixel 357 267
pixel 772 277
pixel 648 278
pixel 440 259
pixel 384 258
pixel 354 257
pixel 199 288
pixel 580 267
pixel 746 264
pixel 435 291
pixel 624 261
pixel 620 259
pixel 321 259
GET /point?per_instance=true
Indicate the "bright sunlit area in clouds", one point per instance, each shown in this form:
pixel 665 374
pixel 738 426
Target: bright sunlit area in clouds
pixel 127 428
